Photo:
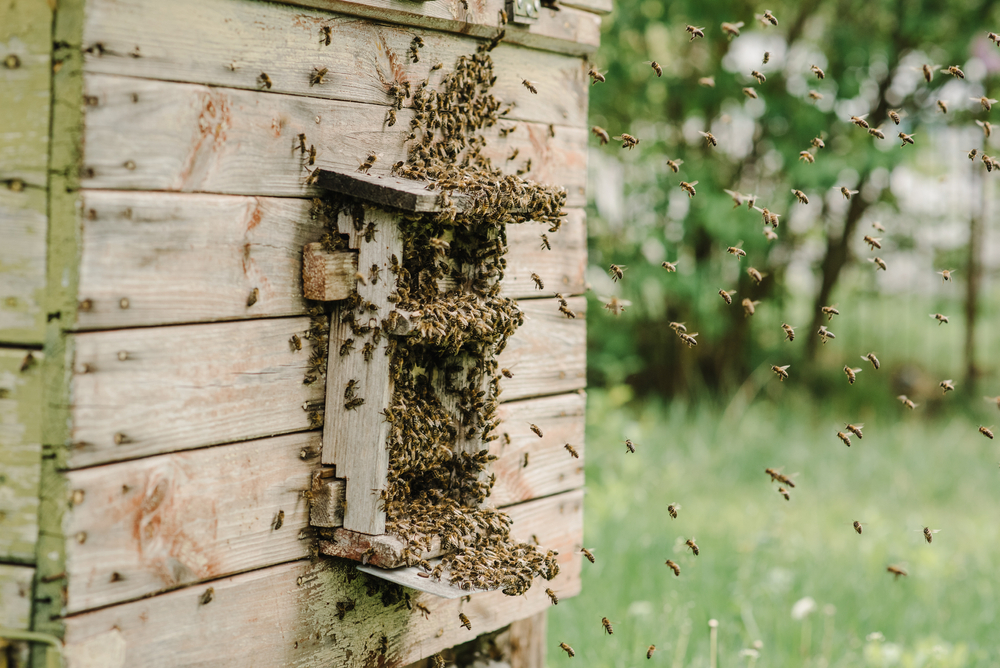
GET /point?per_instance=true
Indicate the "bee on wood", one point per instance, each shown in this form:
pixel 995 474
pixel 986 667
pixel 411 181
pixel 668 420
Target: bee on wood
pixel 736 251
pixel 851 373
pixel 368 163
pixel 587 553
pixel 674 165
pixel 929 534
pixel 530 86
pixel 942 319
pixel 947 386
pixel 538 281
pixel 801 196
pixel 601 134
pixel 732 30
pixel 689 188
pixel 750 92
pixel 830 311
pixel 857 526
pixel 780 371
pixel 513 154
pixel 207 596
pixel 627 140
pixel 312 155
pixel 709 138
pixel 749 307
pixel 758 76
pixel 629 446
pixel 987 128
pixel 537 430
pixel 896 570
pixel 616 272
pixel 879 263
pixel 689 339
pixel 465 621
pixel 325 35
pixel 368 351
pixel 789 331
pixel 354 403
pixel 707 82
pixel 317 76
pixel 815 96
pixel 942 106
pixel 986 102
pixel 295 342
pixel 346 347
pixel 656 67
pixel 692 545
pixel 566 648
pixel 652 648
pixel 894 116
pixel 906 401
pixel 846 192
pixel 617 306
pixel 415 44
pixel 572 451
pixel 820 74
pixel 784 492
pixel 807 156
pixel 876 132
pixel 677 573
pixel 390 117
pixel 860 121
pixel 264 81
pixel 954 71
pixel 755 275
pixel 727 296
pixel 845 438
pixel 986 431
pixel 906 138
pixel 672 509
pixel 607 626
pixel 552 596
pixel 302 143
pixel 671 267
pixel 545 243
pixel 695 32
pixel 492 44
pixel 252 299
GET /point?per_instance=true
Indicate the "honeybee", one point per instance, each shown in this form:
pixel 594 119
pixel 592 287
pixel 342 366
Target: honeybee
pixel 954 71
pixel 423 610
pixel 656 67
pixel 530 86
pixel 652 648
pixel 691 544
pixel 855 429
pixel 678 327
pixel 552 595
pixel 749 307
pixel 513 154
pixel 946 275
pixel 846 192
pixel 770 234
pixel 989 162
pixel 907 402
pixel 587 553
pixel 986 431
pixel 736 251
pixel 465 621
pixel 630 447
pixel 993 37
pixel 264 81
pixel 825 334
pixel 252 298
pixel 295 342
pixel 677 573
pixel 689 188
pixel 789 331
pixel 873 242
pixel 801 196
pixel 896 570
pixel 776 474
pixel 346 347
pixel 860 121
pixel 767 58
pixel 878 226
pixel 601 134
pixel 894 115
pixel 368 163
pixel 857 526
pixel 566 648
pixel 312 155
pixel 695 32
pixel 535 428
pixel 871 358
pixel 942 319
pixel 815 95
pixel 571 450
pixel 947 386
pixel 973 153
pixel 755 275
pixel 929 533
pixel 780 371
pixel 546 245
pixel 987 128
pixel 727 296
pixel 390 117
pixel 672 509
pixel 617 306
pixel 607 626
pixel 807 156
pixel 627 140
pixel 689 339
pixel 830 311
pixel 845 438
pixel 671 267
pixel 784 492
pixel 595 76
pixel 675 165
pixel 758 76
pixel 906 138
pixel 985 101
pixel 616 272
pixel 707 82
pixel 750 92
pixel 942 106
pixel 325 35
pixel 738 198
pixel 538 281
pixel 712 141
pixel 879 263
pixel 820 74
pixel 317 76
pixel 876 132
pixel 732 30
pixel 851 373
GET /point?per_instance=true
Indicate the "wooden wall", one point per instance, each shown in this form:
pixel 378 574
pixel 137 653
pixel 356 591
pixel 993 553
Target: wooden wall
pixel 175 429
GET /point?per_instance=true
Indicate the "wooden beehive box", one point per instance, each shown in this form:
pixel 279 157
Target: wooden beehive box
pixel 159 450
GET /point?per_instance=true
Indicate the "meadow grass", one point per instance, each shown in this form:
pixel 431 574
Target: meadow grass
pixel 760 553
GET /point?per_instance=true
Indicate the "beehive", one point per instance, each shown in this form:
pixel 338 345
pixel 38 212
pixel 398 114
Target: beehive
pixel 165 170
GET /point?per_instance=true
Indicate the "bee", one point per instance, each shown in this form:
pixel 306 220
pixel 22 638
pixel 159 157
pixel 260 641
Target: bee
pixel 879 263
pixel 707 82
pixel 986 102
pixel 755 275
pixel 423 609
pixel 689 188
pixel 993 37
pixel 264 81
pixel 513 154
pixel 572 451
pixel 780 371
pixel 530 86
pixel 873 242
pixel 907 402
pixel 436 67
pixel 846 192
pixel 354 403
pixel 727 296
pixel 616 272
pixel 947 386
pixel 942 319
pixel 629 446
pixel 876 132
pixel 695 32
pixel 738 197
pixel 207 596
pixel 254 295
pixel 857 526
pixel 750 92
pixel 317 76
pixel 325 35
pixel 749 307
pixel 390 117
pixel 732 30
pixel 801 196
pixel 758 76
pixel 677 573
pixel 552 595
pixel 656 67
pixel 987 128
pixel 986 431
pixel 946 275
pixel 545 243
pixel 943 106
pixel 672 509
pixel 906 138
pixel 368 163
pixel 929 534
pixel 973 153
pixel 896 570
pixel 587 553
pixel 770 234
pixel 691 544
pixel 784 492
pixel 989 162
pixel 820 74
pixel 777 475
pixel 596 77
pixel 860 121
pixel 807 156
pixel 537 430
pixel 465 621
pixel 601 134
pixel 607 626
pixel 538 281
pixel 825 334
pixel 851 373
pixel 295 342
pixel 627 140
pixel 712 141
pixel 502 20
pixel 689 339
pixel 617 306
pixel 312 155
pixel 845 438
pixel 954 71
pixel 566 648
pixel 894 116
pixel 302 142
pixel 815 95
pixel 652 648
pixel 789 331
pixel 674 165
pixel 769 17
pixel 871 358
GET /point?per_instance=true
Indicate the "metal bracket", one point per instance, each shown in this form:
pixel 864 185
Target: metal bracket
pixel 523 11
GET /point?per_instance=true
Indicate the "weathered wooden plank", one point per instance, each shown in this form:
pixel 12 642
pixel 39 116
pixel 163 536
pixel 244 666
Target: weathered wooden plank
pixel 153 135
pixel 15 593
pixel 548 354
pixel 525 643
pixel 20 452
pixel 595 6
pixel 328 277
pixel 561 269
pixel 145 391
pixel 23 224
pixel 299 625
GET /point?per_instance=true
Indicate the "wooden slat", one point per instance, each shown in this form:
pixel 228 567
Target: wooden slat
pixel 299 625
pixel 153 135
pixel 595 6
pixel 548 354
pixel 15 592
pixel 561 269
pixel 23 224
pixel 159 523
pixel 20 452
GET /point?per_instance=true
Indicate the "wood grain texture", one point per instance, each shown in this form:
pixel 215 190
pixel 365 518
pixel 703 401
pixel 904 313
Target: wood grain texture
pixel 154 135
pixel 561 269
pixel 15 592
pixel 299 625
pixel 23 226
pixel 525 643
pixel 185 387
pixel 20 452
pixel 159 523
pixel 328 277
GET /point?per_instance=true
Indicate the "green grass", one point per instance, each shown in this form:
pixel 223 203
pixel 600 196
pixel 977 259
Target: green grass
pixel 760 553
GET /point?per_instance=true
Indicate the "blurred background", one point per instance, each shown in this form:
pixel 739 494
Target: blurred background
pixel 790 582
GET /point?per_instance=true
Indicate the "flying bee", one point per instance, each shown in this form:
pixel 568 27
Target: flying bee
pixel 677 573
pixel 652 648
pixel 845 438
pixel 656 67
pixel 906 138
pixel 929 534
pixel 587 553
pixel 678 327
pixel 689 188
pixel 987 128
pixel 712 141
pixel 264 81
pixel 607 626
pixel 767 57
pixel 878 226
pixel 801 196
pixel 876 132
pixel 906 401
pixel 860 121
pixel 942 106
pixel 825 334
pixel 672 509
pixel 368 163
pixel 989 162
pixel 807 156
pixel 465 621
pixel 820 74
pixel 993 37
pixel 601 134
pixel 815 96
pixel 770 234
pixel 538 281
pixel 873 242
pixel 571 450
pixel 857 526
pixel 738 198
pixel 671 267
pixel 896 570
pixel 954 71
pixel 566 648
pixel 674 165
pixel 973 153
pixel 617 306
pixel 691 544
pixel 851 373
pixel 732 30
pixel 727 296
pixel 755 275
pixel 749 307
pixel 780 371
pixel 784 492
pixel 776 475
pixel 846 192
pixel 629 446
pixel 830 311
pixel 423 610
pixel 789 331
pixel 855 429
pixel 894 116
pixel 707 82
pixel 536 429
pixel 986 431
pixel 986 102
pixel 695 32
pixel 871 358
pixel 627 140
pixel 552 595
pixel 947 386
pixel 616 272
pixel 879 263
pixel 689 339
pixel 942 319
pixel 595 76
pixel 946 275
pixel 317 76
pixel 546 245
pixel 750 92
pixel 758 76
pixel 530 86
